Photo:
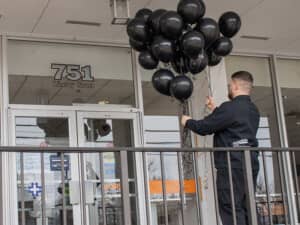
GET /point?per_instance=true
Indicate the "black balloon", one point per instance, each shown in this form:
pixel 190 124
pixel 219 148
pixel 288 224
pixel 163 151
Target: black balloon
pixel 210 29
pixel 137 29
pixel 213 59
pixel 171 25
pixel 154 20
pixel 191 10
pixel 192 43
pixel 223 46
pixel 147 61
pixel 137 45
pixel 144 14
pixel 161 81
pixel 179 64
pixel 181 87
pixel 230 23
pixel 163 49
pixel 197 65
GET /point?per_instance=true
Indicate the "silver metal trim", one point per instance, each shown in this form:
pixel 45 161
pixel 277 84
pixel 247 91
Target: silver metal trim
pixel 62 164
pixel 7 216
pixel 82 178
pixel 278 103
pixel 44 189
pixel 125 188
pixel 102 179
pixel 22 189
pixel 137 81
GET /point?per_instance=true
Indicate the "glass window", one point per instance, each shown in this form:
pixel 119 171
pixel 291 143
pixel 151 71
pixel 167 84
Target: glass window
pixel 35 179
pixel 268 133
pixel 161 129
pixel 289 79
pixel 288 71
pixel 65 74
pixel 107 168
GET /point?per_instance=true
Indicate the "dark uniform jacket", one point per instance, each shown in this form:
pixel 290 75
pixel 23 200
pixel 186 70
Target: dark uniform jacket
pixel 234 123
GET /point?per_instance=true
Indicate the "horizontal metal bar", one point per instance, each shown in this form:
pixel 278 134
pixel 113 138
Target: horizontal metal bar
pixel 95 150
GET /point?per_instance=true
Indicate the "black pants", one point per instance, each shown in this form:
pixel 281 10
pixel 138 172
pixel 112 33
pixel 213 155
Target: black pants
pixel 239 190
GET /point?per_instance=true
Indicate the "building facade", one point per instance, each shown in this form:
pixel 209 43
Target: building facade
pixel 60 92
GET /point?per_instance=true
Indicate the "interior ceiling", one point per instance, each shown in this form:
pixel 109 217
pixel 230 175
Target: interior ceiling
pixel 275 19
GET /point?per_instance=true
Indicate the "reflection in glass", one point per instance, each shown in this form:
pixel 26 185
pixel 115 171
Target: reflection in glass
pixel 162 130
pixel 40 175
pixel 288 74
pixel 105 202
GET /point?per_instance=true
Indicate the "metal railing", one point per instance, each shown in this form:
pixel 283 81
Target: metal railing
pixel 181 194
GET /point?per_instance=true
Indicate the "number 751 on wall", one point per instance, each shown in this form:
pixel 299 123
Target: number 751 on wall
pixel 72 72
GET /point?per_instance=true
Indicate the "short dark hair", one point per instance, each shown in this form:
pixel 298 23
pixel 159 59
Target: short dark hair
pixel 243 75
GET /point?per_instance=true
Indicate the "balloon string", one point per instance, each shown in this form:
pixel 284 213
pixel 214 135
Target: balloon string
pixel 184 130
pixel 210 91
pixel 181 65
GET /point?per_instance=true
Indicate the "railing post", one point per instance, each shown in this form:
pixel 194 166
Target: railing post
pixel 147 191
pixel 125 188
pixel 231 186
pixel 102 180
pixel 250 188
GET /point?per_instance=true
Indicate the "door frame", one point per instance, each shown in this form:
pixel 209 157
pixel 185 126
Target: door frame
pixel 73 113
pixel 137 142
pixel 12 184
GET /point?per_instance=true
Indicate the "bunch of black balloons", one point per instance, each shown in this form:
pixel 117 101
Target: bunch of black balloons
pixel 184 40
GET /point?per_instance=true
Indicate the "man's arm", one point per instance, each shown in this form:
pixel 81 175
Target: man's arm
pixel 218 120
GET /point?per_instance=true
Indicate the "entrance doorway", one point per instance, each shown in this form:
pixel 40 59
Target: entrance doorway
pixel 87 188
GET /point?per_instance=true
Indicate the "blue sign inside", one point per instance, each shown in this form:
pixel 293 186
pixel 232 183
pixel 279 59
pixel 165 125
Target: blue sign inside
pixel 55 162
pixel 35 189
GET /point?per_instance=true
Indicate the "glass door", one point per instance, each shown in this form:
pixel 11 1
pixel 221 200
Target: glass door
pixel 105 199
pixel 46 190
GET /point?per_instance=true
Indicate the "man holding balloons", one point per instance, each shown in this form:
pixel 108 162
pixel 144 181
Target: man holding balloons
pixel 234 124
pixel 181 44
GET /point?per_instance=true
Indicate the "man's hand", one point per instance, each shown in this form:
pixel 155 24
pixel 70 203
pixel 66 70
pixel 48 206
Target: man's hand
pixel 184 119
pixel 210 104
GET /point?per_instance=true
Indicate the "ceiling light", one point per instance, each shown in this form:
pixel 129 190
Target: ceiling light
pixel 85 23
pixel 120 12
pixel 260 38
